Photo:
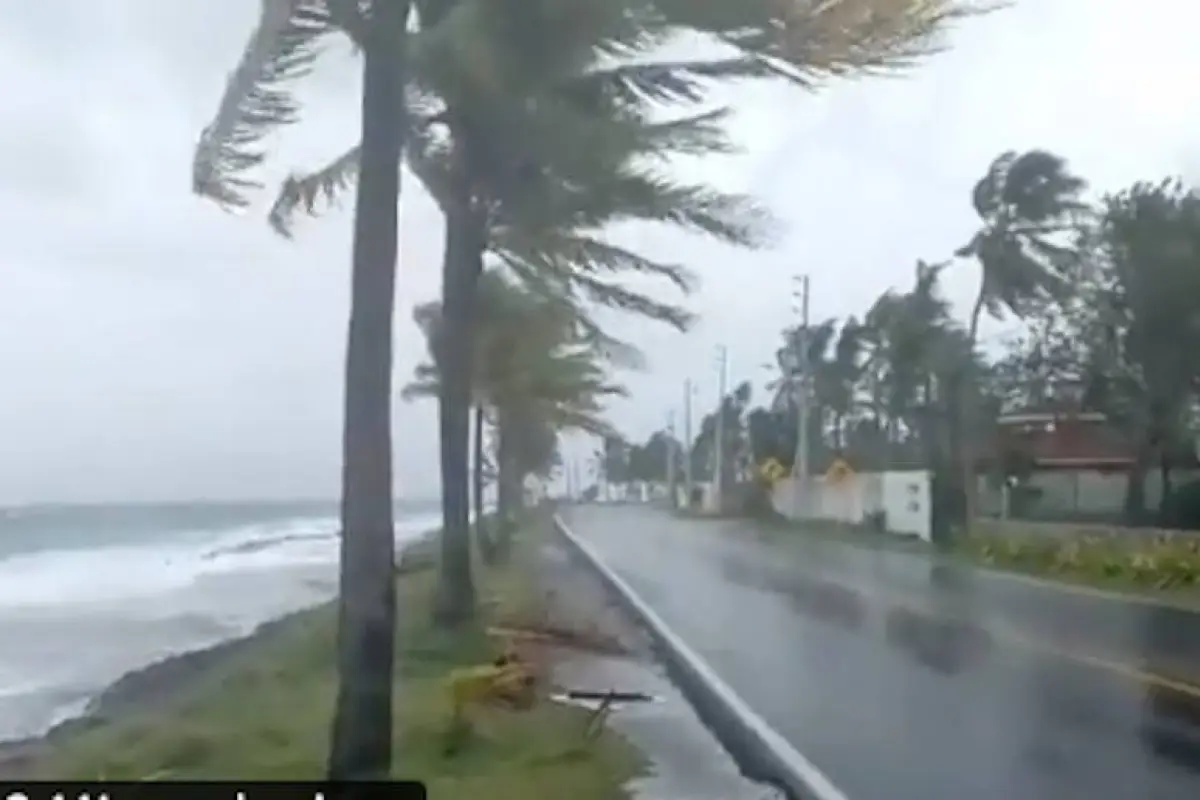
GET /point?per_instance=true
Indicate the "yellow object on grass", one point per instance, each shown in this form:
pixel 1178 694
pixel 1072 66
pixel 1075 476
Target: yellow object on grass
pixel 509 684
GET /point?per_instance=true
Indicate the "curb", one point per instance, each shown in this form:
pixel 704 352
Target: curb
pixel 759 751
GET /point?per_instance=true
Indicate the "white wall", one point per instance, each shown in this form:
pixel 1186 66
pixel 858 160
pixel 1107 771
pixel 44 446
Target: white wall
pixel 903 497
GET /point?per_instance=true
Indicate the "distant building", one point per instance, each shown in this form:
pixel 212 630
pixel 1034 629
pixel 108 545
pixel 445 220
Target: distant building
pixel 1056 439
pixel 1074 462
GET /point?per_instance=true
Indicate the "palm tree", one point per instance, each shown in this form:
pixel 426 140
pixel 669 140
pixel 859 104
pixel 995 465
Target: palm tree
pixel 532 367
pixel 902 336
pixel 426 383
pixel 564 387
pixel 519 124
pixel 489 62
pixel 1026 202
pixel 284 46
pixel 1140 326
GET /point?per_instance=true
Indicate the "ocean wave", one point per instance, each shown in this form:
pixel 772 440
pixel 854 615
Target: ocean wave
pixel 108 574
pixel 73 621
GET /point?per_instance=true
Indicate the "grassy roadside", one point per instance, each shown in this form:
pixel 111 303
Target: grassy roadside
pixel 266 714
pixel 1162 569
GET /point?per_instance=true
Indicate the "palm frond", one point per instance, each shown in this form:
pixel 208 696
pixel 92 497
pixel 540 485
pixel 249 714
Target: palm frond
pixel 645 195
pixel 616 296
pixel 419 389
pixel 808 41
pixel 307 192
pixel 571 256
pixel 314 192
pixel 283 47
pixel 665 82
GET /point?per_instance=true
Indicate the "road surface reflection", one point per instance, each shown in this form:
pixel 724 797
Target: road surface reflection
pixel 904 678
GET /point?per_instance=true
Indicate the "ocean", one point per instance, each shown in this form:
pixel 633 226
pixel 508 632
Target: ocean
pixel 88 593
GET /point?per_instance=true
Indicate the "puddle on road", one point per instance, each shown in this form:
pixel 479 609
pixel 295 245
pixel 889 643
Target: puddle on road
pixel 948 646
pixel 828 602
pixel 815 597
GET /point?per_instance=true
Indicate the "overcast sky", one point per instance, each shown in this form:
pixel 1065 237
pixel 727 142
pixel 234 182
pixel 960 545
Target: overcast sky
pixel 153 347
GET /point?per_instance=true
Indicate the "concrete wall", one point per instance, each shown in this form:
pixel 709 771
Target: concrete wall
pixel 902 496
pixel 1085 492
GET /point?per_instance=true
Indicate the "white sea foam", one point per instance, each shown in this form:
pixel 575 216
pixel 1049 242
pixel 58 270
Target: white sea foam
pixel 104 574
pixel 74 620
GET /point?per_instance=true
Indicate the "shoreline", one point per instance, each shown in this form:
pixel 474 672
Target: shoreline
pixel 160 683
pixel 147 688
pixel 233 713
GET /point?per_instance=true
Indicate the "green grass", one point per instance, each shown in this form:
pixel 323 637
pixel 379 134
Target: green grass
pixel 1165 568
pixel 1154 565
pixel 267 715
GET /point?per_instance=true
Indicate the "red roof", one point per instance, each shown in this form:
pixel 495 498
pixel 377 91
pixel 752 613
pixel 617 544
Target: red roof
pixel 1064 440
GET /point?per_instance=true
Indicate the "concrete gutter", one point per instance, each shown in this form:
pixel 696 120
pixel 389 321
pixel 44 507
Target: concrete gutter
pixel 760 752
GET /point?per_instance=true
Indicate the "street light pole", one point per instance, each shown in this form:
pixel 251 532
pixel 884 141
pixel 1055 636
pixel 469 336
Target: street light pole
pixel 719 446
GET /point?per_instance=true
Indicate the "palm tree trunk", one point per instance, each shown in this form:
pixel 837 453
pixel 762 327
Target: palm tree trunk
pixel 961 430
pixel 484 540
pixel 1135 489
pixel 505 479
pixel 462 263
pixel 361 742
pixel 1164 473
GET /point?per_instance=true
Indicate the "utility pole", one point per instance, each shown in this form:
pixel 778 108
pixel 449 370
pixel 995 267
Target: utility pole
pixel 687 442
pixel 801 385
pixel 803 382
pixel 672 494
pixel 719 446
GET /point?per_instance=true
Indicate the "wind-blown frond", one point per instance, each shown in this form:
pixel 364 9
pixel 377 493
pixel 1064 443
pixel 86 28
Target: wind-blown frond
pixel 573 278
pixel 616 296
pixel 306 192
pixel 282 48
pixel 312 193
pixel 633 194
pixel 666 82
pixel 572 254
pixel 415 390
pixel 808 41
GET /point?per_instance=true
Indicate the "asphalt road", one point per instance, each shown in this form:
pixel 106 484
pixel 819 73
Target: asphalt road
pixel 904 679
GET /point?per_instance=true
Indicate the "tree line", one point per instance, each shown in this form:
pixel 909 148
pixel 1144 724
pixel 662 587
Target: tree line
pixel 1107 294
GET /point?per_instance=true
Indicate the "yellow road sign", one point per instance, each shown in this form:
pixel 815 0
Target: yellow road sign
pixel 839 471
pixel 772 471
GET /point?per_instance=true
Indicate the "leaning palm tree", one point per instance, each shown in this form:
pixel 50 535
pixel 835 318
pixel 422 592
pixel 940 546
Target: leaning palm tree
pixel 903 331
pixel 1027 203
pixel 528 351
pixel 505 319
pixel 284 46
pixel 563 387
pixel 520 120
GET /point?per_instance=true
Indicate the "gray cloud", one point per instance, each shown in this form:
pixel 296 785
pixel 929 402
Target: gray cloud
pixel 153 346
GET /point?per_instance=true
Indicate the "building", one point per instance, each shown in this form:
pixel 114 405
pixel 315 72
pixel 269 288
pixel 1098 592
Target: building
pixel 1069 463
pixel 1050 439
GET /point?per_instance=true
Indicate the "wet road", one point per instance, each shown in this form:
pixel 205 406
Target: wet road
pixel 902 679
